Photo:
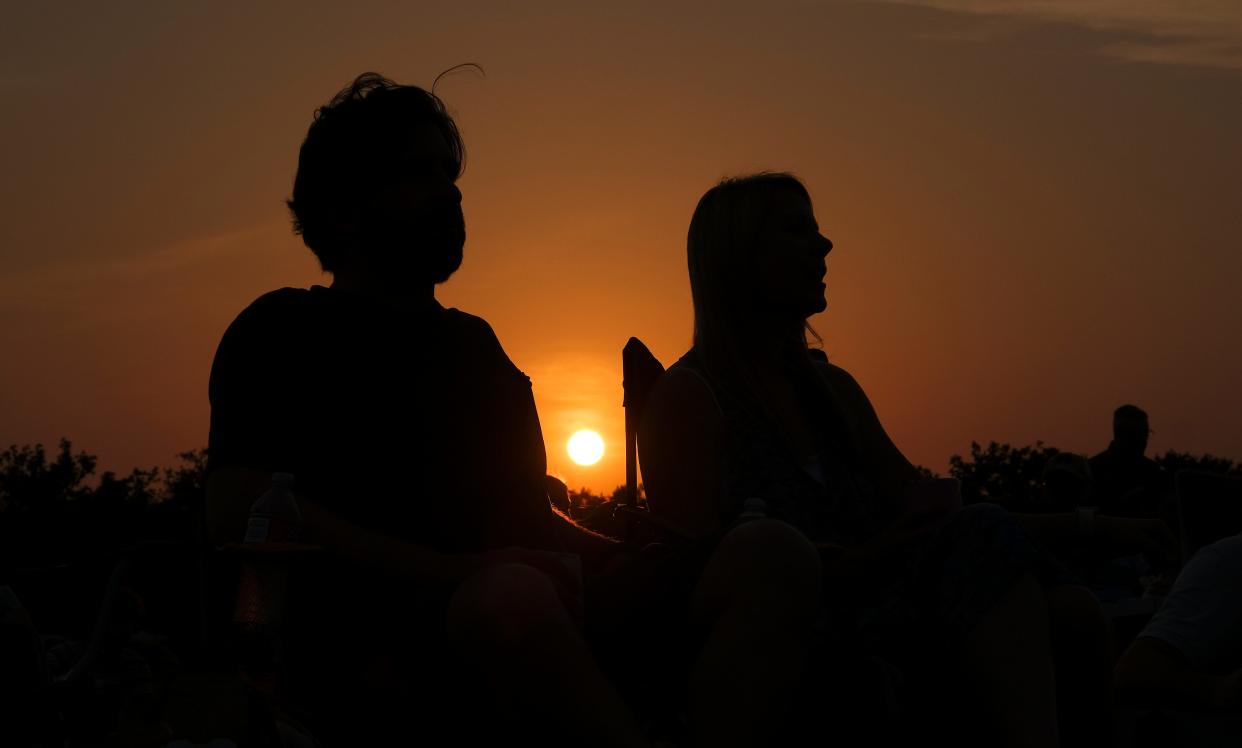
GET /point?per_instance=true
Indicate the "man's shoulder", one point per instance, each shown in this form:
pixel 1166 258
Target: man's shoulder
pixel 469 326
pixel 269 328
pixel 1100 458
pixel 476 341
pixel 274 309
pixel 283 301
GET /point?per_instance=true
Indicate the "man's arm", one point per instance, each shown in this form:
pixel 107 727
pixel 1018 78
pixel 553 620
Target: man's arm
pixel 230 492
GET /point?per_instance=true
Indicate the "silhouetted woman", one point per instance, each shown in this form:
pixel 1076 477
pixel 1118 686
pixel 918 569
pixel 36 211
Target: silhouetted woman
pixel 749 420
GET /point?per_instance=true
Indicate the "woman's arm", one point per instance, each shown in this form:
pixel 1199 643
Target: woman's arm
pixel 679 445
pixel 888 466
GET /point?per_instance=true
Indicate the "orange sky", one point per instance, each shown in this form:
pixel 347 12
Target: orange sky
pixel 1035 208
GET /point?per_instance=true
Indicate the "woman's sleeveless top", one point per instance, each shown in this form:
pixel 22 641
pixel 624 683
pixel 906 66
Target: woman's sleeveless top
pixel 827 497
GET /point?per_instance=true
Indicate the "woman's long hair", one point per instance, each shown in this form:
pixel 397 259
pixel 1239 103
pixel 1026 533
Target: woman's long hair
pixel 722 247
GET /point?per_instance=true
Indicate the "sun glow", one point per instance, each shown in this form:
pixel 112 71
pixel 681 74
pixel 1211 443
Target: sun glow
pixel 585 447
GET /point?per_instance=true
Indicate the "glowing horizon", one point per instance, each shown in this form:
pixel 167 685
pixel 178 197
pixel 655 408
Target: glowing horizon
pixel 1034 211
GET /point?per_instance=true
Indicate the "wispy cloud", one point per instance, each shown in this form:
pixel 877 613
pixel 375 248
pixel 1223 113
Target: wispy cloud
pixel 1206 33
pixel 74 297
pixel 16 82
pixel 51 282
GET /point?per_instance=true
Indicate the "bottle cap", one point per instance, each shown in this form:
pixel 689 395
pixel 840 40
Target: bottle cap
pixel 282 480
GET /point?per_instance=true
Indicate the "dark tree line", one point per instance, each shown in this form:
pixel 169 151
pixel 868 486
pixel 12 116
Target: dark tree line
pixel 55 509
pixel 1004 474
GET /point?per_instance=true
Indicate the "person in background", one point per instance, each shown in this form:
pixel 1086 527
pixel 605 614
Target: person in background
pixel 1104 550
pixel 1126 482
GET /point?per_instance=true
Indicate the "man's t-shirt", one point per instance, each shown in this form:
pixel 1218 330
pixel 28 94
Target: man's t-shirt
pixel 413 424
pixel 1202 616
pixel 1129 486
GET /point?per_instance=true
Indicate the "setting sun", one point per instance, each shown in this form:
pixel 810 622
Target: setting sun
pixel 586 447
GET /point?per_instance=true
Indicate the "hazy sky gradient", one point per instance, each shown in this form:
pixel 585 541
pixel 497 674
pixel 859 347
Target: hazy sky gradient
pixel 1035 205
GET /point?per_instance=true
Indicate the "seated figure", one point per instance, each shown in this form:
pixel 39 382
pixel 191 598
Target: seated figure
pixel 749 423
pixel 416 451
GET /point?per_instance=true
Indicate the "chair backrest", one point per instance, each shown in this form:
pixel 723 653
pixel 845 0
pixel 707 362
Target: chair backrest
pixel 1209 507
pixel 639 370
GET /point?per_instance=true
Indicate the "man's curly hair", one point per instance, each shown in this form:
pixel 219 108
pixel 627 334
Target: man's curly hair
pixel 347 152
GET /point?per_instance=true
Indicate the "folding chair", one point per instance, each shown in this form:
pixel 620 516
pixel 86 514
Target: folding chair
pixel 640 370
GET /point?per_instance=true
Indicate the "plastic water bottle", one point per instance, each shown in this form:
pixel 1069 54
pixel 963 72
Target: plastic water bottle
pixel 275 517
pixel 264 578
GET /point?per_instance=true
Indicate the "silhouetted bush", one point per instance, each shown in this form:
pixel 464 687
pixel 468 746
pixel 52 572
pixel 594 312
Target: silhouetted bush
pixel 1174 461
pixel 1000 473
pixel 51 511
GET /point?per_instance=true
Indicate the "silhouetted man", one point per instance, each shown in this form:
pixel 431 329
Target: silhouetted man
pixel 414 442
pixel 1126 482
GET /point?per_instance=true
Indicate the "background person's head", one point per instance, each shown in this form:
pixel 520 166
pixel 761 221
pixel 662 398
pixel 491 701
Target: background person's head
pixel 756 260
pixel 375 189
pixel 1130 430
pixel 1067 480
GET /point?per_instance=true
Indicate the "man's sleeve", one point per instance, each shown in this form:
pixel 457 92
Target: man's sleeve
pixel 1202 616
pixel 526 515
pixel 251 390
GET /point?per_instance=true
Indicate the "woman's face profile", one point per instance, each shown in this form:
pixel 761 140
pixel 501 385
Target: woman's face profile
pixel 790 260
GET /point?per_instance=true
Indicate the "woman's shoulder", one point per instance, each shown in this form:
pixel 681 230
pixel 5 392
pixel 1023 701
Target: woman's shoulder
pixel 682 394
pixel 687 373
pixel 841 381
